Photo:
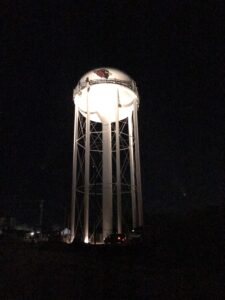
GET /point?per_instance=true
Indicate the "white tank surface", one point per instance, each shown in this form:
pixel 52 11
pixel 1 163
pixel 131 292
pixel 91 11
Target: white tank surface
pixel 104 87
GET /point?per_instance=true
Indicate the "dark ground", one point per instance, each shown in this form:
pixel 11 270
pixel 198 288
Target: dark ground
pixel 177 261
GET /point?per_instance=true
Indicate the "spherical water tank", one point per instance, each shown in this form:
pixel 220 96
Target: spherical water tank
pixel 105 93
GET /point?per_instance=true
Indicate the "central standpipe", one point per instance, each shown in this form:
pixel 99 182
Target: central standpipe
pixel 107 180
pixel 118 179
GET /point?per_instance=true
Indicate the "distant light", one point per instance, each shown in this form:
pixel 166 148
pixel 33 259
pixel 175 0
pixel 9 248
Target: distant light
pixel 86 240
pixel 133 230
pixel 32 233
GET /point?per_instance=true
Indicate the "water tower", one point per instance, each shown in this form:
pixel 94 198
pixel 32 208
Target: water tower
pixel 106 186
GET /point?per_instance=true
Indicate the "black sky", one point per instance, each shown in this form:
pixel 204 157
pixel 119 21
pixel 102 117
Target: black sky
pixel 172 49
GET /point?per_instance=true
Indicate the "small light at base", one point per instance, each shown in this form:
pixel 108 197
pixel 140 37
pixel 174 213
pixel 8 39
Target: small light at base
pixel 86 240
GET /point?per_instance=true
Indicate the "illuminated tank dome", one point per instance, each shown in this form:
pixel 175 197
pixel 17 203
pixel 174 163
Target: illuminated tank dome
pixel 104 92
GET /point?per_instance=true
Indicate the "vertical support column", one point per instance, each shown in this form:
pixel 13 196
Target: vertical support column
pixel 87 175
pixel 74 177
pixel 138 168
pixel 132 171
pixel 118 179
pixel 107 180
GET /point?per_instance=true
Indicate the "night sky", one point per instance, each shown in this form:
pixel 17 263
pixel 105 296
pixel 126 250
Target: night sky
pixel 172 49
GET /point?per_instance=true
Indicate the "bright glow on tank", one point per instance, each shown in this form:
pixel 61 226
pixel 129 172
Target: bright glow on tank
pixel 99 90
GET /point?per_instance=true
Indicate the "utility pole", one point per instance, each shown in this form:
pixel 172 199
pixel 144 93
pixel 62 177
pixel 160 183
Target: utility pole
pixel 41 214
